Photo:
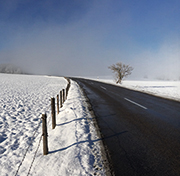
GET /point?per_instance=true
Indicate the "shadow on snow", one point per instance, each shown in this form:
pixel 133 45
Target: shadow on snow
pixel 89 141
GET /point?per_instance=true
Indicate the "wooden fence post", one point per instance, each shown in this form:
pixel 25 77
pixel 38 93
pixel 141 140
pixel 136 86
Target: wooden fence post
pixel 64 94
pixel 53 113
pixel 67 91
pixel 44 134
pixel 57 104
pixel 61 99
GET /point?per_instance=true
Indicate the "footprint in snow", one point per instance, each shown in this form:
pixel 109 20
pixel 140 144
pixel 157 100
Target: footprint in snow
pixel 3 137
pixel 2 150
pixel 15 145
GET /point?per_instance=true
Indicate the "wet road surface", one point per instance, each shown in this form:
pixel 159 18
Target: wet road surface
pixel 141 132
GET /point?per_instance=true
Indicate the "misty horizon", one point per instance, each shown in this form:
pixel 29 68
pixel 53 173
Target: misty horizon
pixel 84 38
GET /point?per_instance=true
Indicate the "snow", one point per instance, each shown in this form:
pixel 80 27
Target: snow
pixel 74 145
pixel 165 89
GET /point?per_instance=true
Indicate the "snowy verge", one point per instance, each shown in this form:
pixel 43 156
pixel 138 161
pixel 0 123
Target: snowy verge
pixel 165 89
pixel 74 145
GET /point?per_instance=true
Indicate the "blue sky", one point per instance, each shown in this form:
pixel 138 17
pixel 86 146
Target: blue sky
pixel 84 37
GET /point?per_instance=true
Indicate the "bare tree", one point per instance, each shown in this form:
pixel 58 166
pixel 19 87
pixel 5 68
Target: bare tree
pixel 121 71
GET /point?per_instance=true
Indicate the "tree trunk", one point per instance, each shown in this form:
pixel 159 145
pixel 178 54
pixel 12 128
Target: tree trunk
pixel 118 81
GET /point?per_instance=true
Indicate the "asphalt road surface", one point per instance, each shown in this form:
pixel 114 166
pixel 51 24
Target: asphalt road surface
pixel 141 132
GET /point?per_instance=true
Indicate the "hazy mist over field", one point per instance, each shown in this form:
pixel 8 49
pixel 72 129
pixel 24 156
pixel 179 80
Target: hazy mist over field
pixel 83 38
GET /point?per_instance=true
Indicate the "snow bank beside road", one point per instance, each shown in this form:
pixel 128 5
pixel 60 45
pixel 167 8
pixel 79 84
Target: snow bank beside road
pixel 165 89
pixel 74 146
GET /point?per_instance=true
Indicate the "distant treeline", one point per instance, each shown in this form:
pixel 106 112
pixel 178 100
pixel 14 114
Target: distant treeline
pixel 11 69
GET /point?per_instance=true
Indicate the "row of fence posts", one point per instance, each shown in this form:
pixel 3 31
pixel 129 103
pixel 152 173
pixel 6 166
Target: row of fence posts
pixel 60 100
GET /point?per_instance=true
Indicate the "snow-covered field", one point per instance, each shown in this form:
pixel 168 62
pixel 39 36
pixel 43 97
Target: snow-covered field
pixel 166 89
pixel 74 146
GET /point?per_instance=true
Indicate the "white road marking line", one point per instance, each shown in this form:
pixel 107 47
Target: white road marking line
pixel 103 87
pixel 135 103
